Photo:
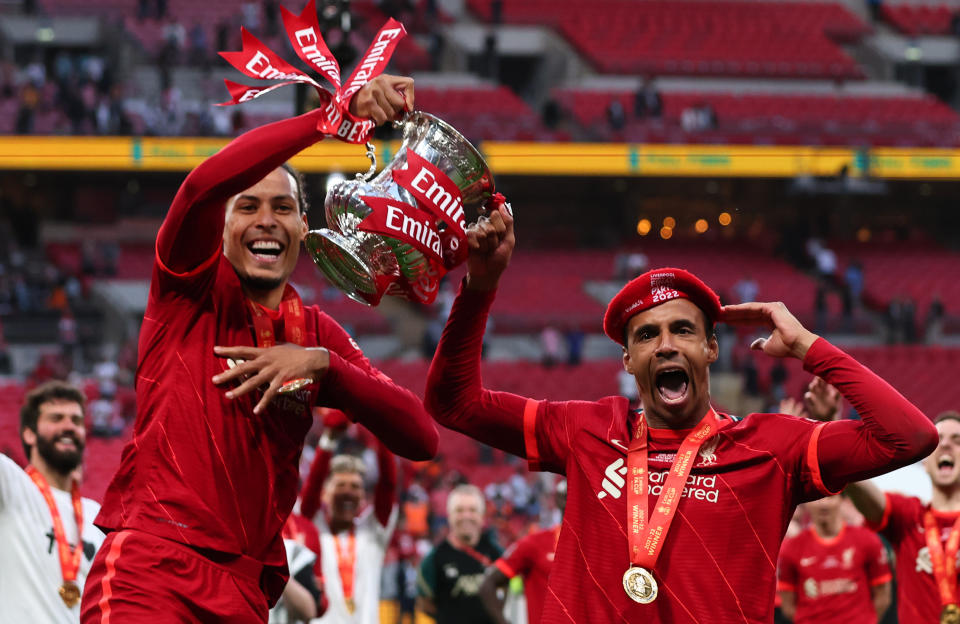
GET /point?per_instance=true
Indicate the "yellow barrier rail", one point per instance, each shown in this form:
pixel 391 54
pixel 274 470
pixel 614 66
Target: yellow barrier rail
pixel 547 159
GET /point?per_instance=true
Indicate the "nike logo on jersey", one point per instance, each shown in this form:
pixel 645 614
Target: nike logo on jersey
pixel 618 444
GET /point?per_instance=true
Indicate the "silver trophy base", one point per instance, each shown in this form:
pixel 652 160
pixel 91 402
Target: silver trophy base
pixel 342 266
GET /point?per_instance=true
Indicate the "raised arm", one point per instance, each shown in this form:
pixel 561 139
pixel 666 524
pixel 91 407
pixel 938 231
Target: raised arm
pixel 312 491
pixel 891 433
pixel 455 396
pixel 193 229
pixel 385 492
pixel 868 499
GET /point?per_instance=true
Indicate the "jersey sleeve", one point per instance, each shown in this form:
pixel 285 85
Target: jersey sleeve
pixel 8 475
pixel 788 572
pixel 393 414
pixel 518 559
pixel 427 576
pixel 875 560
pixel 891 432
pixel 549 428
pixel 900 514
pixel 539 431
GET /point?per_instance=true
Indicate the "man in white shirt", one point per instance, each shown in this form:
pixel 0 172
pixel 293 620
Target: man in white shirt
pixel 353 536
pixel 43 564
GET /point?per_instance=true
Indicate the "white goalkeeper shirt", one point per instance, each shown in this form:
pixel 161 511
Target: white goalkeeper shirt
pixel 30 574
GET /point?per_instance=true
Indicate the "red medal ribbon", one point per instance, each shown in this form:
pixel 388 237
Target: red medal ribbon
pixel 69 561
pixel 943 560
pixel 256 60
pixel 645 541
pixel 472 552
pixel 294 323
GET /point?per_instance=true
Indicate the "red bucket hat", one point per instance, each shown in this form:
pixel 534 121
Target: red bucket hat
pixel 653 288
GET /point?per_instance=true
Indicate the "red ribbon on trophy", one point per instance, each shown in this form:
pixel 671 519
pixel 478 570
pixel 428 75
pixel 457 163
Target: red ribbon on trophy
pixel 258 61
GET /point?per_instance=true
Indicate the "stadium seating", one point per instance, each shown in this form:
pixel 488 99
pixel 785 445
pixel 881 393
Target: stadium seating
pixel 919 271
pixel 776 118
pixel 784 39
pixel 483 112
pixel 918 19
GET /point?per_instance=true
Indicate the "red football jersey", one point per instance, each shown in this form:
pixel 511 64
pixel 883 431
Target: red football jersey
pixel 201 469
pixel 833 577
pixel 532 558
pixel 751 475
pixel 918 601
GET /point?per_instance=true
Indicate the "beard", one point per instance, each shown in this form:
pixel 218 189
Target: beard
pixel 260 283
pixel 63 462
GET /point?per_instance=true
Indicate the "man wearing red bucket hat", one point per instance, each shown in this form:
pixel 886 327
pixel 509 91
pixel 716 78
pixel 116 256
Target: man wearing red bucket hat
pixel 675 513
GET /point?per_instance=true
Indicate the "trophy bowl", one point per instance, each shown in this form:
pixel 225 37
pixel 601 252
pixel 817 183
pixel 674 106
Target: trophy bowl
pixel 367 265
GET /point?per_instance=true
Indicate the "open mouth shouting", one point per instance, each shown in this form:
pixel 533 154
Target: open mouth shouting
pixel 266 250
pixel 945 465
pixel 672 384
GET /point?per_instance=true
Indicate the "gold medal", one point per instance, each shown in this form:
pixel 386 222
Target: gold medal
pixel 950 614
pixel 70 594
pixel 351 607
pixel 294 385
pixel 641 586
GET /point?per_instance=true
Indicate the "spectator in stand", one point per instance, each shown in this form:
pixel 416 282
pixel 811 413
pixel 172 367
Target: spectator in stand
pixel 616 116
pixel 550 346
pixel 908 318
pixel 575 337
pixel 853 279
pixel 746 289
pixel 933 325
pixel 647 103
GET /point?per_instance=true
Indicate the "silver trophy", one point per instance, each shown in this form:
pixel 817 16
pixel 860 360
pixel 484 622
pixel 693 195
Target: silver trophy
pixel 367 265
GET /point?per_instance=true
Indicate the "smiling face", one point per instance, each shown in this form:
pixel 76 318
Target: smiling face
pixel 669 353
pixel 343 495
pixel 465 516
pixel 262 234
pixel 60 436
pixel 943 465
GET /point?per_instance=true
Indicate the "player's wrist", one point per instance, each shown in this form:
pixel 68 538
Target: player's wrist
pixel 802 345
pixel 482 282
pixel 319 361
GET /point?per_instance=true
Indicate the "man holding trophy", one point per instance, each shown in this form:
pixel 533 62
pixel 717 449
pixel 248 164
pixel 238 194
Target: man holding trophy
pixel 231 363
pixel 675 513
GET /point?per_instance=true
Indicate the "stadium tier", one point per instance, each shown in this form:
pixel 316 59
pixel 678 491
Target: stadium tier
pixel 781 39
pixel 920 272
pixel 920 19
pixel 774 118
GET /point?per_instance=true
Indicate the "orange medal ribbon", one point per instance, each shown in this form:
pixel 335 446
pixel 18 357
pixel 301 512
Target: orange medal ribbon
pixel 944 560
pixel 69 561
pixel 647 536
pixel 346 558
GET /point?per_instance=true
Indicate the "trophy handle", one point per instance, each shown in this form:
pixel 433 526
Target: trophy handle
pixel 372 155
